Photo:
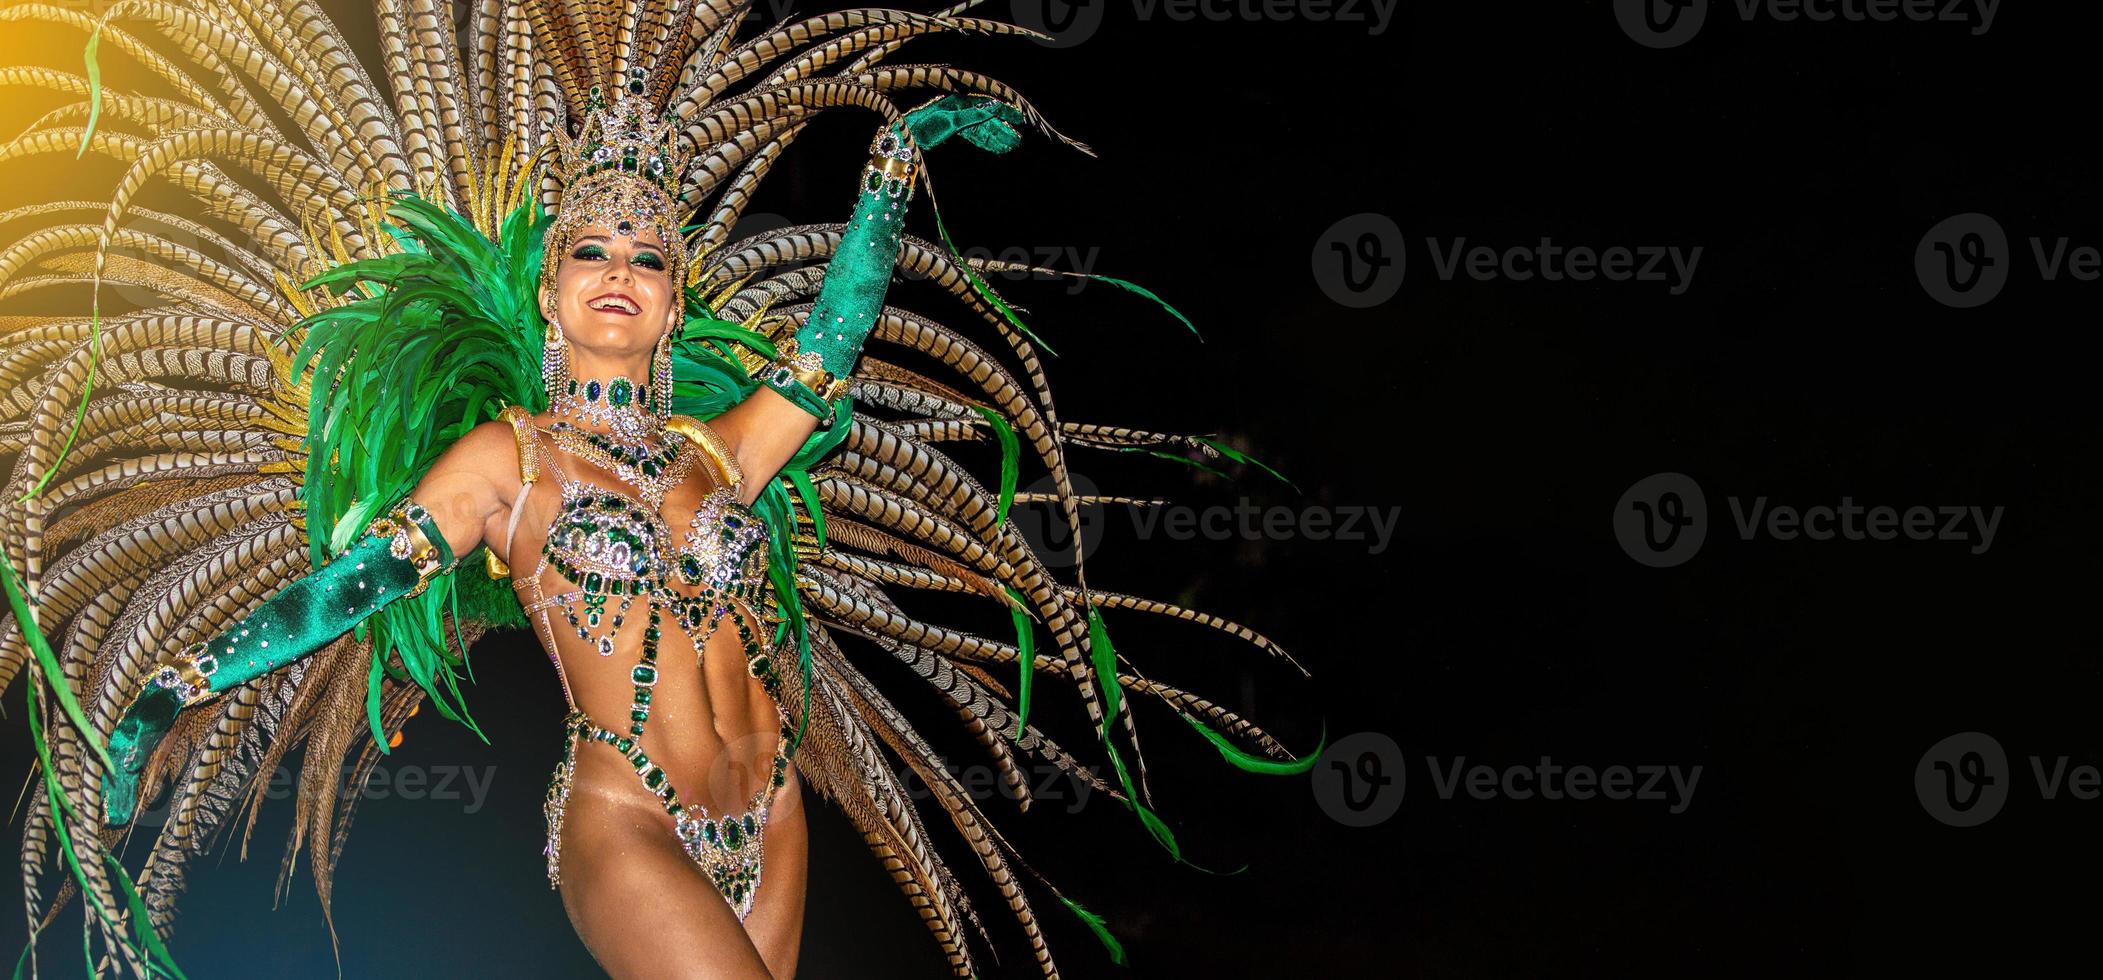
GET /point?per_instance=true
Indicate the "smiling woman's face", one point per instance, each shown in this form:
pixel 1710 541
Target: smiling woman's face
pixel 614 294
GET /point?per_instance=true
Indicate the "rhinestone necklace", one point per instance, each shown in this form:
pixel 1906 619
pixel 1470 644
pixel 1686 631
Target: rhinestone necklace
pixel 652 472
pixel 612 404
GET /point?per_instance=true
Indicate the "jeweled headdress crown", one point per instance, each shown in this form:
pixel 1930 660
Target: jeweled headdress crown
pixel 621 170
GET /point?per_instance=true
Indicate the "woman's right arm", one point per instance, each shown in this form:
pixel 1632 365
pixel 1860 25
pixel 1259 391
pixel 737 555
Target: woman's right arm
pixel 469 491
pixel 416 538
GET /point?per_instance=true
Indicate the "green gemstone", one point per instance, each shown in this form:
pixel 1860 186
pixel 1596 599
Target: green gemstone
pixel 642 696
pixel 733 835
pixel 619 392
pixel 654 779
pixel 639 715
pixel 644 674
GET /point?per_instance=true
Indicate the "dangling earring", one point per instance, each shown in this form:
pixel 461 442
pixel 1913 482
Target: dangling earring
pixel 661 378
pixel 555 362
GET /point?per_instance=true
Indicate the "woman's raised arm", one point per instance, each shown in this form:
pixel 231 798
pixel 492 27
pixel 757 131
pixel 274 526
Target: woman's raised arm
pixel 802 388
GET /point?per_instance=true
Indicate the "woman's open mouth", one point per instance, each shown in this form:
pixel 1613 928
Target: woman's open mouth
pixel 615 303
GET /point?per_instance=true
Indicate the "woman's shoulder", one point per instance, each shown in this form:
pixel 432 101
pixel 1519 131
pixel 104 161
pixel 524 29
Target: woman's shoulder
pixel 492 449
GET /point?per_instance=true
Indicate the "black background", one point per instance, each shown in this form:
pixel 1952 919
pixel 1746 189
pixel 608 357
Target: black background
pixel 1500 422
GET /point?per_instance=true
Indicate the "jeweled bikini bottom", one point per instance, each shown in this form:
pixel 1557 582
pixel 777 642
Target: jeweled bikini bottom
pixel 729 849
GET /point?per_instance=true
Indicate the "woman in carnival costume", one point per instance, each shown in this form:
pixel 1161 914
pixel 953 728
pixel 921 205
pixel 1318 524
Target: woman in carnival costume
pixel 485 356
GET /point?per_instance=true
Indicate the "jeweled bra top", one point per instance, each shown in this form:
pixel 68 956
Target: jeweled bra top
pixel 609 544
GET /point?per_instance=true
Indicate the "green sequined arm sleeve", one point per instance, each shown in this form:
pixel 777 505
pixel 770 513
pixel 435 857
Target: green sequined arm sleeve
pixel 396 556
pixel 829 342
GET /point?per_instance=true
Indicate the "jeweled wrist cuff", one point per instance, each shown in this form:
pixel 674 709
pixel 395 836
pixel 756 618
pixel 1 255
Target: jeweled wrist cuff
pixel 801 377
pixel 397 556
pixel 894 161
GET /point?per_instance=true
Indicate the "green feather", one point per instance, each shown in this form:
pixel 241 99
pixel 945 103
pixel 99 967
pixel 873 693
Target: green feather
pixel 1099 927
pixel 1241 457
pixel 1251 762
pixel 47 664
pixel 1010 454
pixel 87 388
pixel 1104 658
pixel 1025 643
pixel 809 492
pixel 979 285
pixel 1131 286
pixel 1176 457
pixel 443 334
pixel 156 955
pixel 94 90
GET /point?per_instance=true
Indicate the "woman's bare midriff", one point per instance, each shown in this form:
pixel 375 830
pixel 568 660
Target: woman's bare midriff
pixel 636 899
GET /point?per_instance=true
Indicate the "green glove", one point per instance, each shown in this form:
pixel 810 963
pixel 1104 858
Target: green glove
pixel 395 557
pixel 830 339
